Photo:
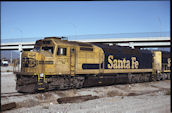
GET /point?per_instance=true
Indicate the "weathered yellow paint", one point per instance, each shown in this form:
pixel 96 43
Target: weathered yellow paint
pixel 70 64
pixel 157 61
pixel 166 71
pixel 41 88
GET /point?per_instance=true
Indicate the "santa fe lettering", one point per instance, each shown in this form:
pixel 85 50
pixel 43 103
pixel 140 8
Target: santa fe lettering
pixel 122 64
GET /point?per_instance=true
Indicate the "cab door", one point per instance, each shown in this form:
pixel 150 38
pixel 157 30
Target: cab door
pixel 72 61
pixel 62 60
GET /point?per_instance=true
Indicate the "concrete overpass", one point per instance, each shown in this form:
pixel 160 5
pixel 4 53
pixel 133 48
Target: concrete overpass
pixel 143 42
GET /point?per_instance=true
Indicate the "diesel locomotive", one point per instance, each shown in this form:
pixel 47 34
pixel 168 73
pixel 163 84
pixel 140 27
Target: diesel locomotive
pixel 56 64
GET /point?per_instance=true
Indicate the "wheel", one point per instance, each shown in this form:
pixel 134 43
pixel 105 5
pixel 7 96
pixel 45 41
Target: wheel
pixel 159 77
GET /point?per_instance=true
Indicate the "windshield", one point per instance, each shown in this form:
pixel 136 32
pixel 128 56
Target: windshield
pixel 50 49
pixel 36 49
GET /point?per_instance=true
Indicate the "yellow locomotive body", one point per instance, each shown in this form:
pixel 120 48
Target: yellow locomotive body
pixel 60 57
pixel 60 64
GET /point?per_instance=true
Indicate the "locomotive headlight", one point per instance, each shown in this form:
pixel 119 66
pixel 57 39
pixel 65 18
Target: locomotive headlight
pixel 42 75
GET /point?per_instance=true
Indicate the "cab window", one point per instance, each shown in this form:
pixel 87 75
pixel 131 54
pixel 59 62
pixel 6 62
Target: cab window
pixel 36 49
pixel 61 51
pixel 50 49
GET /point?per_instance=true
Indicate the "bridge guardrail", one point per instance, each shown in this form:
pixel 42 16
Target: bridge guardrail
pixel 93 36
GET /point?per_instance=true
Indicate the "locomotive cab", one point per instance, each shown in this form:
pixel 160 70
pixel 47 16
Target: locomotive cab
pixel 38 63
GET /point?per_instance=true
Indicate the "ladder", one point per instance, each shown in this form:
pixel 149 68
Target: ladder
pixel 72 61
pixel 41 82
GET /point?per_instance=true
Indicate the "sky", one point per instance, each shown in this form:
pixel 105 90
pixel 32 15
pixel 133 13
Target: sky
pixel 43 19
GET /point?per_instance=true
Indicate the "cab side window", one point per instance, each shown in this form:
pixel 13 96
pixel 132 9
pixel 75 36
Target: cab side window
pixel 61 51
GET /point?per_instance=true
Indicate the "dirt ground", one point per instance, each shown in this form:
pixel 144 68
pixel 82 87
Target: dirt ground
pixel 152 97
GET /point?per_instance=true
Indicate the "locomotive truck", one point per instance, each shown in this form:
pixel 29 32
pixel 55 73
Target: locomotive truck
pixel 56 64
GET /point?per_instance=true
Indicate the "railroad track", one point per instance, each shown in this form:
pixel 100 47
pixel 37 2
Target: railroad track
pixel 11 94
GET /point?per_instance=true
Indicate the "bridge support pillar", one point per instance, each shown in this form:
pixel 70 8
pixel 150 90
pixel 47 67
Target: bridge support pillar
pixel 20 50
pixel 131 44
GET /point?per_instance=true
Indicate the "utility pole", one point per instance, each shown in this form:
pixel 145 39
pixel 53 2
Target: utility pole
pixel 20 49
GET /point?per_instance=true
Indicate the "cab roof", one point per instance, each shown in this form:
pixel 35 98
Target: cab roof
pixel 59 40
